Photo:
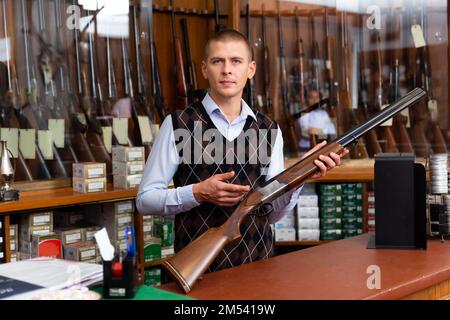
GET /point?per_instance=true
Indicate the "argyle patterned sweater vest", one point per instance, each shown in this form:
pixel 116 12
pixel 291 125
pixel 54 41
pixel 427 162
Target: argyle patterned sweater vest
pixel 257 240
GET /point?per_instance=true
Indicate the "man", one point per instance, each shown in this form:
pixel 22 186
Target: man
pixel 206 192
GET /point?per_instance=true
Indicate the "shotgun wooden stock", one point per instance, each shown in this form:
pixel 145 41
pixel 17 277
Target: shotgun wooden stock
pixel 187 265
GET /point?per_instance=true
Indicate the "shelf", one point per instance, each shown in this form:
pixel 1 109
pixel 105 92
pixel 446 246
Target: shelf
pixel 51 198
pixel 302 243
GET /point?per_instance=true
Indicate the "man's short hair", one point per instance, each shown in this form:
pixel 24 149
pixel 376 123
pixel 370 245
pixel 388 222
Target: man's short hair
pixel 228 35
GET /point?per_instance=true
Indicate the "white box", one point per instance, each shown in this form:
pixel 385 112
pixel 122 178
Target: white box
pixel 285 234
pixel 89 170
pixel 308 201
pixel 308 212
pixel 89 185
pixel 127 182
pixel 308 223
pixel 126 154
pixel 308 235
pixel 128 168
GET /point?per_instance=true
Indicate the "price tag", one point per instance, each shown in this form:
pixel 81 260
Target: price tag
pixel 433 109
pixel 417 34
pixel 56 126
pixel 387 122
pixel 405 113
pixel 45 143
pixel 146 131
pixel 27 143
pixel 120 130
pixel 11 136
pixel 107 138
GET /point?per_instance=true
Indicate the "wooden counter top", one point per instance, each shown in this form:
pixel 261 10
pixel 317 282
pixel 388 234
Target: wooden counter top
pixel 336 270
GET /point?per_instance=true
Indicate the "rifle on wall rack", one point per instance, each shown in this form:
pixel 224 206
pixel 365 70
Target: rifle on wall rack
pixel 329 67
pixel 188 264
pixel 301 61
pixel 267 100
pixel 250 82
pixel 285 105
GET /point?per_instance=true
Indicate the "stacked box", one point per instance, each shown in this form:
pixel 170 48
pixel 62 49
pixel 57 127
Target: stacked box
pixel 128 166
pixel 371 211
pixel 2 244
pixel 85 251
pixel 285 227
pixel 163 228
pixel 13 239
pixel 48 245
pixel 147 227
pixel 115 217
pixel 308 222
pixel 89 177
pixel 341 210
pixel 152 249
pixel 152 276
pixel 69 219
pixel 33 224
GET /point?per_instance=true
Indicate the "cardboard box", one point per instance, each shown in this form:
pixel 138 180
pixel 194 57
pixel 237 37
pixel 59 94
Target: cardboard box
pixel 352 200
pixel 352 212
pixel 128 168
pixel 330 212
pixel 352 223
pixel 309 235
pixel 13 245
pixel 70 235
pixel 68 219
pixel 127 154
pixel 89 170
pixel 308 223
pixel 308 201
pixel 89 232
pixel 330 189
pixel 80 251
pixel 331 234
pixel 123 206
pixel 330 223
pixel 14 257
pixel 89 185
pixel 152 276
pixel 127 182
pixel 331 201
pixel 164 230
pixel 308 212
pixel 167 252
pixel 26 232
pixel 42 246
pixel 152 250
pixel 352 188
pixel 36 219
pixel 14 232
pixel 284 234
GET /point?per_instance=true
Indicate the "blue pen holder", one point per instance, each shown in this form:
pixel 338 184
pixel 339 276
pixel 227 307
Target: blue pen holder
pixel 120 278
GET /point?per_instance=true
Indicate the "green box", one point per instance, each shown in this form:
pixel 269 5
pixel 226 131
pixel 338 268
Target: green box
pixel 330 223
pixel 331 234
pixel 152 276
pixel 331 201
pixel 352 223
pixel 330 212
pixel 330 189
pixel 164 230
pixel 352 200
pixel 351 232
pixel 152 250
pixel 352 188
pixel 352 212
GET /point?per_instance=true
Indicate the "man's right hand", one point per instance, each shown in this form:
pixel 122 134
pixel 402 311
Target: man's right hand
pixel 217 191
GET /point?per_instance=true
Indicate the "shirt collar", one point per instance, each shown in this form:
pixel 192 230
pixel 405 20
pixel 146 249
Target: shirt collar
pixel 211 106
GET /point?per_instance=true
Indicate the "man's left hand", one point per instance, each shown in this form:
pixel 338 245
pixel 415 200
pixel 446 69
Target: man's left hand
pixel 325 163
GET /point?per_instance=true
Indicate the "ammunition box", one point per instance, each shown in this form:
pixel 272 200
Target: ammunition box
pixel 307 212
pixel 89 185
pixel 347 233
pixel 27 232
pixel 127 154
pixel 330 212
pixel 152 277
pixel 127 182
pixel 330 189
pixel 123 207
pixel 308 235
pixel 152 250
pixel 352 212
pixel 352 188
pixel 70 235
pixel 330 223
pixel 352 200
pixel 68 219
pixel 80 251
pixel 89 232
pixel 89 170
pixel 128 168
pixel 169 251
pixel 308 201
pixel 352 223
pixel 331 234
pixel 284 234
pixel 330 201
pixel 13 245
pixel 46 246
pixel 164 230
pixel 36 219
pixel 308 223
pixel 13 257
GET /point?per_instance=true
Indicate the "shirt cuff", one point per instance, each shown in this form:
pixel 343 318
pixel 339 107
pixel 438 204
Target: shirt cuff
pixel 187 199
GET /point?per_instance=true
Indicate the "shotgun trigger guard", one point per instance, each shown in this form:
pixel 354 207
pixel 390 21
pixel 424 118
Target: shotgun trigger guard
pixel 264 210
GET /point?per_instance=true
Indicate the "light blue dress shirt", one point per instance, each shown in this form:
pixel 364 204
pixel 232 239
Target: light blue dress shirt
pixel 154 197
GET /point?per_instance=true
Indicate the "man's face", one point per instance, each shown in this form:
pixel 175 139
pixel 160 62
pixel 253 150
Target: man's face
pixel 227 68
